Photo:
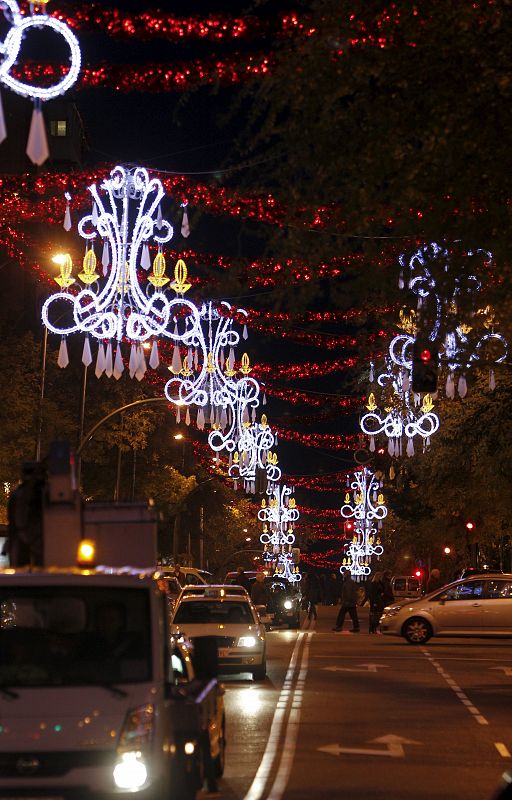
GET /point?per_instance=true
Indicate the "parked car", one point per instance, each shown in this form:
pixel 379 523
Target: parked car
pixel 406 586
pixel 234 622
pixel 477 606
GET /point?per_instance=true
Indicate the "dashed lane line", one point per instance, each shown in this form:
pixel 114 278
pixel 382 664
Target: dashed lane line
pixel 466 702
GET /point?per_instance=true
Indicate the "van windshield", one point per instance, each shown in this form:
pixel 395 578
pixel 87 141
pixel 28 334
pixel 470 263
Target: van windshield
pixel 69 636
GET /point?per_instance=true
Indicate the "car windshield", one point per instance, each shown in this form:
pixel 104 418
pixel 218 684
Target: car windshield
pixel 220 612
pixel 70 636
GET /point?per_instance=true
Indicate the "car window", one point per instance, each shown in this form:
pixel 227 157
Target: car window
pixel 219 613
pixel 464 591
pixel 399 584
pixel 414 584
pixel 499 588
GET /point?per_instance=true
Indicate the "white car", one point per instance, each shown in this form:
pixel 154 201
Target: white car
pixel 232 620
pixel 476 606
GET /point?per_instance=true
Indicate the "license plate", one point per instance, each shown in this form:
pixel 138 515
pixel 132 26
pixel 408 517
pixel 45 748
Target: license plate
pixel 223 652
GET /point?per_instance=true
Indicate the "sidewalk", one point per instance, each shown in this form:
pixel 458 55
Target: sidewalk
pixel 327 620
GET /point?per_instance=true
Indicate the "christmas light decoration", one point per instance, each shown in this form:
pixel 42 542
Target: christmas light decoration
pixel 447 285
pixel 279 515
pixel 254 444
pixel 113 305
pixel 37 146
pixel 366 507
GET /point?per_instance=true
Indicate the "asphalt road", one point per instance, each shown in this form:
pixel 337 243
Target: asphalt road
pixel 370 717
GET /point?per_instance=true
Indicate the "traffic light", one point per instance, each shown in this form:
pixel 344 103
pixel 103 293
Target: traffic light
pixel 349 528
pixel 425 363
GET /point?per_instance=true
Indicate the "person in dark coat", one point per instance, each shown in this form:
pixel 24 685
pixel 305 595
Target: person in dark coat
pixel 259 590
pixel 312 594
pixel 348 604
pixel 241 579
pixel 434 580
pixel 375 596
pixel 388 596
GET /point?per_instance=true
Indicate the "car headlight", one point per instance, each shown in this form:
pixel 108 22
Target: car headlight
pixel 288 604
pixel 246 641
pixel 391 611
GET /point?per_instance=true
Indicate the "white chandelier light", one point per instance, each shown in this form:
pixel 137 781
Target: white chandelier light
pixel 114 305
pixel 406 414
pixel 367 509
pixel 37 148
pixel 253 452
pixel 466 339
pixel 279 516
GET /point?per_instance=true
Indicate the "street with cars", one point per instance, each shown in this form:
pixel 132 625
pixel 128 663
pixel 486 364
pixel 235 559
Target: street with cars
pixel 341 715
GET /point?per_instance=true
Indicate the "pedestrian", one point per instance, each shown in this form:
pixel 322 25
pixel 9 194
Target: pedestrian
pixel 388 597
pixel 375 595
pixel 242 579
pixel 434 580
pixel 348 604
pixel 312 594
pixel 259 591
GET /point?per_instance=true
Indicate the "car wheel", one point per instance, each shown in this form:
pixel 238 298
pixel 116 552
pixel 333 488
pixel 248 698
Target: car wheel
pixel 220 760
pixel 260 673
pixel 417 630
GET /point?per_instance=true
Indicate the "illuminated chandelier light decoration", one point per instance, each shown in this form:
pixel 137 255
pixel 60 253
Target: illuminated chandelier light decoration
pixel 367 509
pixel 113 305
pixel 253 452
pixel 405 413
pixel 279 515
pixel 467 338
pixel 206 378
pixel 37 146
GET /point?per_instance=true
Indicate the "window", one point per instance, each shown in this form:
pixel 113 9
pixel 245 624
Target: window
pixel 218 613
pixel 463 591
pixel 499 588
pixel 399 585
pixel 58 127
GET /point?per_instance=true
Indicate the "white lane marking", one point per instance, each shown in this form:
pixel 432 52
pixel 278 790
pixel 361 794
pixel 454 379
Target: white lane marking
pixel 507 670
pixel 292 730
pixel 477 716
pixel 395 747
pixel 502 749
pixel 257 787
pixel 369 668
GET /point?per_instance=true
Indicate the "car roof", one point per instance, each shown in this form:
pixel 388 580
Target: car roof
pixel 214 590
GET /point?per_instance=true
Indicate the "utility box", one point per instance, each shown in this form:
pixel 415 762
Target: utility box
pixel 125 534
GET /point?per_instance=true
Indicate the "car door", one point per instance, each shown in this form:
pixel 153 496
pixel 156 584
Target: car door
pixel 460 609
pixel 498 605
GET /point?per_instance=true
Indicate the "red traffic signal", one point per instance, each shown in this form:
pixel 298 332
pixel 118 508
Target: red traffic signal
pixel 418 573
pixel 349 527
pixel 425 362
pixel 470 526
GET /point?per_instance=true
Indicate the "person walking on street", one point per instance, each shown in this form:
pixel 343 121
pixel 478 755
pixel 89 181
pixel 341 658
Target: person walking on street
pixel 259 591
pixel 312 594
pixel 375 595
pixel 434 580
pixel 388 597
pixel 348 604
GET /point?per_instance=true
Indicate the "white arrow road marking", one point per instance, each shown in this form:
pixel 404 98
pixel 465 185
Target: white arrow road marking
pixel 506 670
pixel 395 747
pixel 369 668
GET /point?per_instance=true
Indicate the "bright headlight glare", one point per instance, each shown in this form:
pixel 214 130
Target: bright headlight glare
pixel 288 604
pixel 247 641
pixel 189 748
pixel 137 730
pixel 130 772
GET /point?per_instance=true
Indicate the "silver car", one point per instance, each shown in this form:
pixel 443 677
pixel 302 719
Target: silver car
pixel 476 606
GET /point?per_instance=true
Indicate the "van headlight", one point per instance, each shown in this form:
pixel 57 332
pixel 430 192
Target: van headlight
pixel 131 770
pixel 247 641
pixel 288 604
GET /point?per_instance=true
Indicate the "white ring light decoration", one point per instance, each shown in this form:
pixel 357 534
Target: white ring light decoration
pixel 279 516
pixel 10 48
pixel 117 306
pixel 366 508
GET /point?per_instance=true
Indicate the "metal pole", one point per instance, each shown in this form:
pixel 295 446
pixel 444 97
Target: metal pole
pixel 201 536
pixel 41 396
pixel 81 432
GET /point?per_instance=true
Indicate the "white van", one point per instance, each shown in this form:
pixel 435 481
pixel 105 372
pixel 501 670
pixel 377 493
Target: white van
pixel 96 701
pixel 406 587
